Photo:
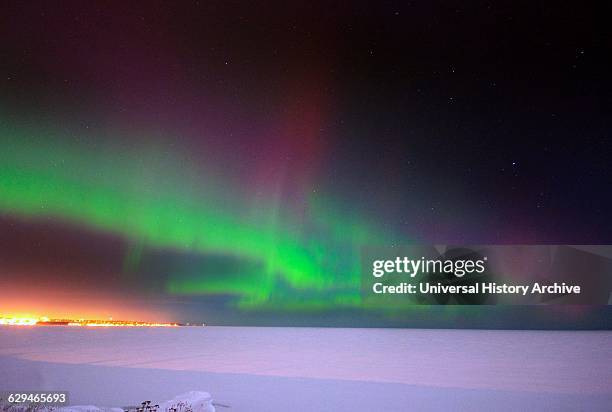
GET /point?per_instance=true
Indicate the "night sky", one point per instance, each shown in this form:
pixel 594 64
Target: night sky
pixel 225 162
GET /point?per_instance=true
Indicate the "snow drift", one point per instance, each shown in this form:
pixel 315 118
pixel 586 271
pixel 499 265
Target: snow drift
pixel 194 401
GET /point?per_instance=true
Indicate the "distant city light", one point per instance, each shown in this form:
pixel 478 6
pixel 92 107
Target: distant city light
pixel 45 321
pixel 17 321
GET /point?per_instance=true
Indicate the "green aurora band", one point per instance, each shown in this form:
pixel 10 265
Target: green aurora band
pixel 164 201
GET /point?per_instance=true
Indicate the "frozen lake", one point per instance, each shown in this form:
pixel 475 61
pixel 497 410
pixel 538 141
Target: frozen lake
pixel 315 369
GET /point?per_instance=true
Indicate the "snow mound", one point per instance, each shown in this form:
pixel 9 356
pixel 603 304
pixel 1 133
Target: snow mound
pixel 194 401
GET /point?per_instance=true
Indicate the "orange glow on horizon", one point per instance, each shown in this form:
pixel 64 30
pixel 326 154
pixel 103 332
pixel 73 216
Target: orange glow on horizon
pixel 25 301
pixel 73 304
pixel 11 320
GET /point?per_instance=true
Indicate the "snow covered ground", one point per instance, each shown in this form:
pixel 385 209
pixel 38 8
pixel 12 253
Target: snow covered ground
pixel 313 369
pixel 193 401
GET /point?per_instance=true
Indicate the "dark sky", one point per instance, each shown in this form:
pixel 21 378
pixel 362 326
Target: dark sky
pixel 227 159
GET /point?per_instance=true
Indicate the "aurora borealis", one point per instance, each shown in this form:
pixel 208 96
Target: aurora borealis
pixel 216 162
pixel 150 209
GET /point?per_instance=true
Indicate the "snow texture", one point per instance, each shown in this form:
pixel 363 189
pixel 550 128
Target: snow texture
pixel 193 401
